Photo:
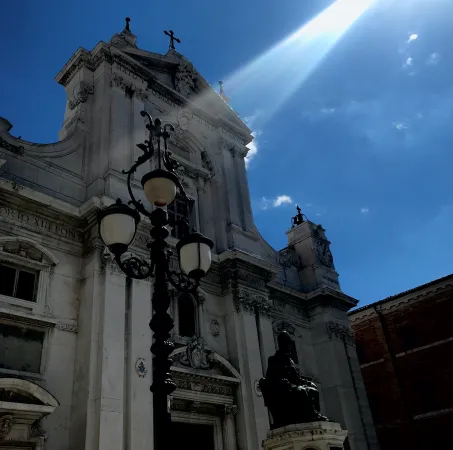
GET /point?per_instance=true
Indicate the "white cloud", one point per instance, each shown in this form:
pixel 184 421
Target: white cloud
pixel 412 37
pixel 278 201
pixel 433 60
pixel 364 210
pixel 327 110
pixel 281 200
pixel 253 146
pixel 409 61
pixel 308 205
pixel 400 126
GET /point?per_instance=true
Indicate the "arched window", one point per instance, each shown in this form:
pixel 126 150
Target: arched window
pixel 187 315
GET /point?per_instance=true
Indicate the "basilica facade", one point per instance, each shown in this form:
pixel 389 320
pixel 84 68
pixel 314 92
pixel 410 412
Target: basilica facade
pixel 75 361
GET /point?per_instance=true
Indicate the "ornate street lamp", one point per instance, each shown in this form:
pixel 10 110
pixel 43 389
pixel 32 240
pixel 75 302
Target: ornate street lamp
pixel 117 227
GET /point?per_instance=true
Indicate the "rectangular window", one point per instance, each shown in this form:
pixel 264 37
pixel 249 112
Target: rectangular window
pixel 178 211
pixel 20 348
pixel 18 282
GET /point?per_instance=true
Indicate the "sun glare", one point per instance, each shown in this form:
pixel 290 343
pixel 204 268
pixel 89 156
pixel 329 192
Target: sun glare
pixel 271 78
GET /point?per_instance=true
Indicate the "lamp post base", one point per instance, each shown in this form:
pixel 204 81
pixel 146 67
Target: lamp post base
pixel 319 435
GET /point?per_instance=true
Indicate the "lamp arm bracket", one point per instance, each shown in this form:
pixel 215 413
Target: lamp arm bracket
pixel 137 203
pixel 135 267
pixel 181 282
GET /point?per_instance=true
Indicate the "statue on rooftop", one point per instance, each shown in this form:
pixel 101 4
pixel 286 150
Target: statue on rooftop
pixel 290 397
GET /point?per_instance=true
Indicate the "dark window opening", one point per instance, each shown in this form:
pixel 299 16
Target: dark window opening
pixel 178 211
pixel 360 351
pixel 20 348
pixel 18 283
pixel 187 316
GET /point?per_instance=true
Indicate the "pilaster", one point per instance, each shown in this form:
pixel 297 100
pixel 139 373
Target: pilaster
pixel 97 416
pixel 343 397
pixel 228 428
pixel 138 378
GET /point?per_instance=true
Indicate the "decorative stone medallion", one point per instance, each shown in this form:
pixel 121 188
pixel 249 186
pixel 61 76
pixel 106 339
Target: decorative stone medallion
pixel 140 367
pixel 184 119
pixel 215 327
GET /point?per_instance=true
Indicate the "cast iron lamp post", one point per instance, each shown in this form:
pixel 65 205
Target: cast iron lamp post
pixel 117 227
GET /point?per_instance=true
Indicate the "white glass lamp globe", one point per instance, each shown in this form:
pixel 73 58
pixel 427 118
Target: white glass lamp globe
pixel 117 226
pixel 194 252
pixel 159 187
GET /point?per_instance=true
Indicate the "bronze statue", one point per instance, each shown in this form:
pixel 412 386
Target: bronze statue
pixel 290 397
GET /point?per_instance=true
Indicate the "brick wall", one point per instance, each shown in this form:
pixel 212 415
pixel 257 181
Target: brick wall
pixel 405 349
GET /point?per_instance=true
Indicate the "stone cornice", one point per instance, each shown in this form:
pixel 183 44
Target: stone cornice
pixel 56 205
pixel 328 295
pixel 20 317
pixel 65 147
pixel 249 258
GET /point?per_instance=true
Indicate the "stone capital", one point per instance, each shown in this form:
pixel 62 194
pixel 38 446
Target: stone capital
pixel 250 302
pixel 230 410
pixel 340 331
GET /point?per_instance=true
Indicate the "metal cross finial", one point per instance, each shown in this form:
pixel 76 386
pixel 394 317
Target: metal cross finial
pixel 128 28
pixel 172 39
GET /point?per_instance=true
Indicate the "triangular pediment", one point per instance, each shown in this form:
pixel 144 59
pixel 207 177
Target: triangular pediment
pixel 177 74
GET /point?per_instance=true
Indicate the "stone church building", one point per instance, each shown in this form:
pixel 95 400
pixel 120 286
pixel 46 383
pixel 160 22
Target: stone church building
pixel 75 362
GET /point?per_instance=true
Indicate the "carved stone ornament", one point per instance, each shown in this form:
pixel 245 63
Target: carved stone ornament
pixel 323 252
pixel 184 119
pixel 6 423
pixel 140 368
pixel 231 410
pixel 70 327
pixel 186 79
pixel 215 327
pixel 17 149
pixel 207 161
pixel 340 331
pixel 251 280
pixel 128 87
pixel 288 257
pixel 37 431
pixel 196 356
pixel 80 94
pixel 249 302
pixel 207 388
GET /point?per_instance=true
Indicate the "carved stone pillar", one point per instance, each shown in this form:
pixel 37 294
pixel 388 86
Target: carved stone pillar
pixel 228 428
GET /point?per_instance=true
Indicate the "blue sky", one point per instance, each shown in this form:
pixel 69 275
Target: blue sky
pixel 361 138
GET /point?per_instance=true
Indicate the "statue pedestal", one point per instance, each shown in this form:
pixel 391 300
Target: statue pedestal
pixel 306 436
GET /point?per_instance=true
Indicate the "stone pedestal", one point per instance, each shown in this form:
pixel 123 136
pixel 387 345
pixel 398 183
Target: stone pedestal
pixel 306 436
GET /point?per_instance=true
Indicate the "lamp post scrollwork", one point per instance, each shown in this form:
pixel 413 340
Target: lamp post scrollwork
pixel 117 227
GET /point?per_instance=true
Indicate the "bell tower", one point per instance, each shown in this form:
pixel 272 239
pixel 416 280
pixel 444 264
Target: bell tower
pixel 311 244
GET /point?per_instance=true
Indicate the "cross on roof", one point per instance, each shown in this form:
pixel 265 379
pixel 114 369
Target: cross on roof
pixel 172 39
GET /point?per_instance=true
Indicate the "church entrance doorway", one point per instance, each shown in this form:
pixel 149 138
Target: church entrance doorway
pixel 193 435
